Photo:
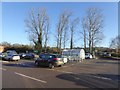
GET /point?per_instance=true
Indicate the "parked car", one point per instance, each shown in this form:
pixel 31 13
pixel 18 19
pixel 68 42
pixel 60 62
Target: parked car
pixel 11 56
pixel 22 55
pixel 11 51
pixel 3 56
pixel 88 56
pixel 49 60
pixel 65 59
pixel 0 54
pixel 29 56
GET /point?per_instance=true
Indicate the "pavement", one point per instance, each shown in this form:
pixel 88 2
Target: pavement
pixel 89 73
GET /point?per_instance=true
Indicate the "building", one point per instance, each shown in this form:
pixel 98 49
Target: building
pixel 74 54
pixel 2 48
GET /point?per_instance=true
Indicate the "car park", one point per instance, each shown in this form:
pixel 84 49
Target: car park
pixel 49 60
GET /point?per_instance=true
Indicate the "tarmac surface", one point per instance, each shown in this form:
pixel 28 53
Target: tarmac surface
pixel 89 73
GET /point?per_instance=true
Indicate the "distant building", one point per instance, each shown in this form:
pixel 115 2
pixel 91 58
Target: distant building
pixel 2 48
pixel 74 54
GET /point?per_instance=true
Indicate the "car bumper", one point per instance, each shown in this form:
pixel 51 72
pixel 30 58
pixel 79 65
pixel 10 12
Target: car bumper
pixel 58 63
pixel 16 58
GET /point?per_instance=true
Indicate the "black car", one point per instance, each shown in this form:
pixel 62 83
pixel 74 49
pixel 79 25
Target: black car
pixel 29 56
pixel 49 60
pixel 22 55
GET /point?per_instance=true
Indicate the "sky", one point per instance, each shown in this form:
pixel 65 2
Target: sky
pixel 14 14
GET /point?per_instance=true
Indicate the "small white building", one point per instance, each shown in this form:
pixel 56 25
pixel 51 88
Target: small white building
pixel 74 54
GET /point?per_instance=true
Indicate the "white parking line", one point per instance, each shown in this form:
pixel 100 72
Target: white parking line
pixel 75 77
pixel 4 61
pixel 65 66
pixel 30 77
pixel 102 77
pixel 64 71
pixel 60 71
pixel 3 69
pixel 50 69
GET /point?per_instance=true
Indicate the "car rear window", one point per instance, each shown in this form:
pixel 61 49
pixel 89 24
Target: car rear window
pixel 45 56
pixel 49 56
pixel 58 56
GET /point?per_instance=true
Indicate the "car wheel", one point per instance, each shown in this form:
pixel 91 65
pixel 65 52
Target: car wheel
pixel 60 65
pixel 36 63
pixel 51 66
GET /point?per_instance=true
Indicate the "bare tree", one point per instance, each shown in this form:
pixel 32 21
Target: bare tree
pixel 84 32
pixel 62 28
pixel 93 25
pixel 115 43
pixel 73 25
pixel 36 23
pixel 46 34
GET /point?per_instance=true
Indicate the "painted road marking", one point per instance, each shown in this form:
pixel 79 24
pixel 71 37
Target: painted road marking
pixel 64 71
pixel 59 70
pixel 75 77
pixel 30 77
pixel 3 69
pixel 65 66
pixel 4 61
pixel 102 77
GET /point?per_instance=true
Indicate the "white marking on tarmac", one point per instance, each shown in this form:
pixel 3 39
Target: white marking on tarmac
pixel 59 71
pixel 65 66
pixel 64 71
pixel 102 77
pixel 30 77
pixel 75 77
pixel 50 69
pixel 3 69
pixel 4 61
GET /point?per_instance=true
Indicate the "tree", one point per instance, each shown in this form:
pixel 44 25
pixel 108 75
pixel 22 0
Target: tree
pixel 46 35
pixel 6 44
pixel 84 32
pixel 36 24
pixel 92 26
pixel 62 28
pixel 115 43
pixel 73 25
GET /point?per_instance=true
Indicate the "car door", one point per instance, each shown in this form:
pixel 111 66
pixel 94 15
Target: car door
pixel 42 57
pixel 8 57
pixel 47 59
